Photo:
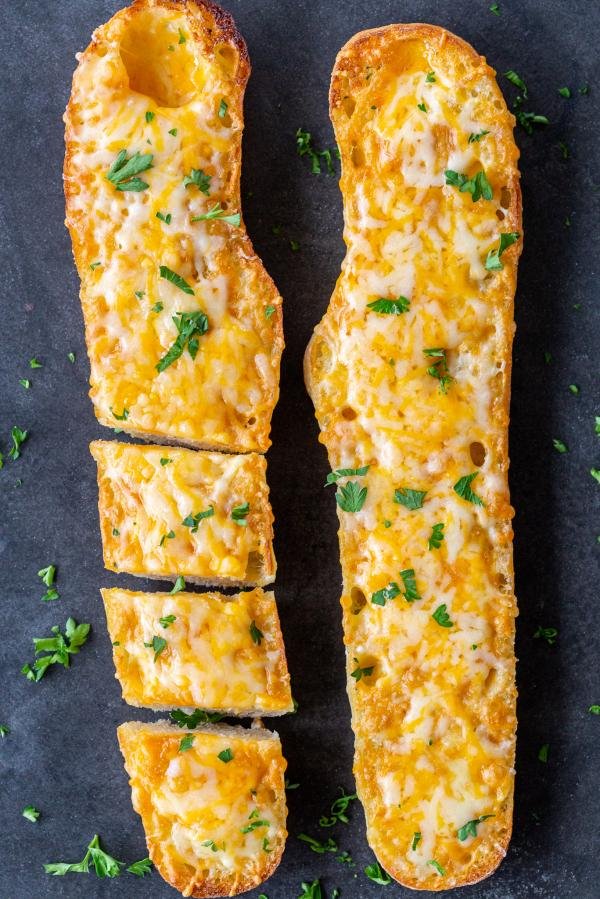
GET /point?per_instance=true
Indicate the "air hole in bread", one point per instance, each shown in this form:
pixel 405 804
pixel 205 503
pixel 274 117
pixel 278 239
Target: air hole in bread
pixel 255 566
pixel 348 105
pixel 499 214
pixel 227 58
pixel 348 413
pixel 477 453
pixel 160 73
pixel 505 196
pixel 251 421
pixel 357 156
pixel 358 600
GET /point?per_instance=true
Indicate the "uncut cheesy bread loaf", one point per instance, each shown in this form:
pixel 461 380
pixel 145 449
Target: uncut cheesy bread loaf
pixel 212 803
pixel 167 512
pixel 199 650
pixel 409 372
pixel 183 325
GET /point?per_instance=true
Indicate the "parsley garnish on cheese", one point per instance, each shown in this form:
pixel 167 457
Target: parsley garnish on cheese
pixel 416 840
pixel 478 186
pixel 437 535
pixel 441 617
pixel 380 597
pixel 470 828
pixel 351 497
pixel 167 620
pixel 411 593
pixel 475 137
pixel 186 743
pixel 225 755
pixel 256 633
pixel 360 672
pixel 390 307
pixel 192 720
pixel 239 514
pixel 223 107
pixel 507 239
pixel 463 488
pixel 191 326
pixel 334 476
pixel 169 275
pixel 411 499
pixel 193 521
pixel 217 212
pixel 158 644
pixel 200 179
pixel 123 172
pixel 179 584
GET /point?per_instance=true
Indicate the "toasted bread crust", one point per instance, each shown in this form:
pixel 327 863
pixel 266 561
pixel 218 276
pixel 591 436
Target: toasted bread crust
pixel 212 410
pixel 372 55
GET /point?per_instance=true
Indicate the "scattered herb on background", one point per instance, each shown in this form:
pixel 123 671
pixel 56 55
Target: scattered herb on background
pixel 193 719
pixel 376 873
pixel 59 648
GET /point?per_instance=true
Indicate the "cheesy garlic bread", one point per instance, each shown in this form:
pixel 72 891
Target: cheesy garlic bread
pixel 167 511
pixel 183 325
pixel 212 803
pixel 409 372
pixel 220 653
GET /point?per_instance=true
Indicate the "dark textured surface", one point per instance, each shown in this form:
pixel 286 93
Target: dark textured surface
pixel 61 754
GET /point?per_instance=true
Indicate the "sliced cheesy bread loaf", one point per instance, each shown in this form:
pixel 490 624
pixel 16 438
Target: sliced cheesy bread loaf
pixel 167 511
pixel 409 372
pixel 183 325
pixel 206 650
pixel 212 803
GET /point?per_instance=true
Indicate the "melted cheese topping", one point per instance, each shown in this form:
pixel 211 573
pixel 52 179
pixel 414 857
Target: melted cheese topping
pixel 435 720
pixel 167 66
pixel 211 660
pixel 143 501
pixel 195 807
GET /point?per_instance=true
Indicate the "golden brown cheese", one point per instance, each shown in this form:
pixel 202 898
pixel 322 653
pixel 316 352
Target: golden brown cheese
pixel 213 810
pixel 167 79
pixel 221 653
pixel 410 375
pixel 167 511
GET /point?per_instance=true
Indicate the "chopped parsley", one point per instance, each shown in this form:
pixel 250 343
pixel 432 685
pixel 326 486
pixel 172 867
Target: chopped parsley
pixel 495 8
pixel 437 535
pixel 169 536
pixel 350 497
pixel 222 109
pixel 25 382
pixel 528 119
pixel 193 521
pixel 210 843
pixel 411 593
pixel 595 473
pixel 200 179
pixel 294 245
pixel 141 867
pixel 463 488
pixel 193 719
pixel 359 672
pixel 478 186
pixel 31 813
pixel 376 873
pixel 191 326
pixel 547 357
pixel 474 138
pixel 167 620
pixel 380 597
pixel 239 514
pixel 516 79
pixel 179 584
pixel 334 476
pixel 104 864
pixel 574 389
pixel 593 710
pixel 58 649
pixel 312 891
pixel 597 425
pixel 149 116
pixel 543 752
pixel 164 461
pixel 507 239
pixel 181 37
pixel 116 532
pixel 256 633
pixel 186 743
pixel 269 310
pixel 123 172
pixel 5 730
pixel 430 77
pixel 338 810
pixel 158 644
pixel 255 822
pixel 441 617
pixel 416 840
pixel 317 845
pixel 169 275
pixel 559 446
pixel 565 92
pixel 390 307
pixel 94 265
pixel 439 369
pixel 225 756
pixel 164 217
pixel 35 363
pixel 304 147
pixel 158 307
pixel 437 867
pixel 411 499
pixel 422 107
pixel 47 575
pixel 564 150
pixel 549 634
pixel 470 828
pixel 173 132
pixel 18 437
pixel 217 212
pixel 123 416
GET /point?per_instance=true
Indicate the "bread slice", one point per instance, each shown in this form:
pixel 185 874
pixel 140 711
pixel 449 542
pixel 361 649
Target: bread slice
pixel 409 372
pixel 167 79
pixel 148 492
pixel 212 807
pixel 222 653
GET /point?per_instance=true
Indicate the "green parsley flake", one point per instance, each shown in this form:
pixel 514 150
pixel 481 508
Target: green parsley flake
pixel 376 873
pixel 256 634
pixel 565 92
pixel 198 716
pixel 380 597
pixel 239 514
pixel 351 497
pixel 416 840
pixel 225 755
pixel 269 310
pixel 191 326
pixel 149 116
pixel 390 307
pixel 35 363
pixel 470 828
pixel 410 499
pixel 141 867
pixel 158 644
pixel 186 743
pixel 430 77
pixel 463 488
pixel 179 585
pixel 334 476
pixel 173 132
pixel 507 239
pixel 559 446
pixel 478 186
pixel 123 171
pixel 549 634
pixel 543 752
pixel 475 137
pixel 574 389
pixel 217 212
pixel 411 593
pixel 167 620
pixel 25 382
pixel 18 437
pixel 193 521
pixel 437 535
pixel 222 109
pixel 164 217
pixel 200 179
pixel 31 813
pixel 47 575
pixel 169 275
pixel 104 864
pixel 4 730
pixel 59 648
pixel 360 672
pixel 441 617
pixel 516 79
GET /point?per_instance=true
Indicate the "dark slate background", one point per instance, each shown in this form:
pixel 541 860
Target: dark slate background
pixel 61 754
